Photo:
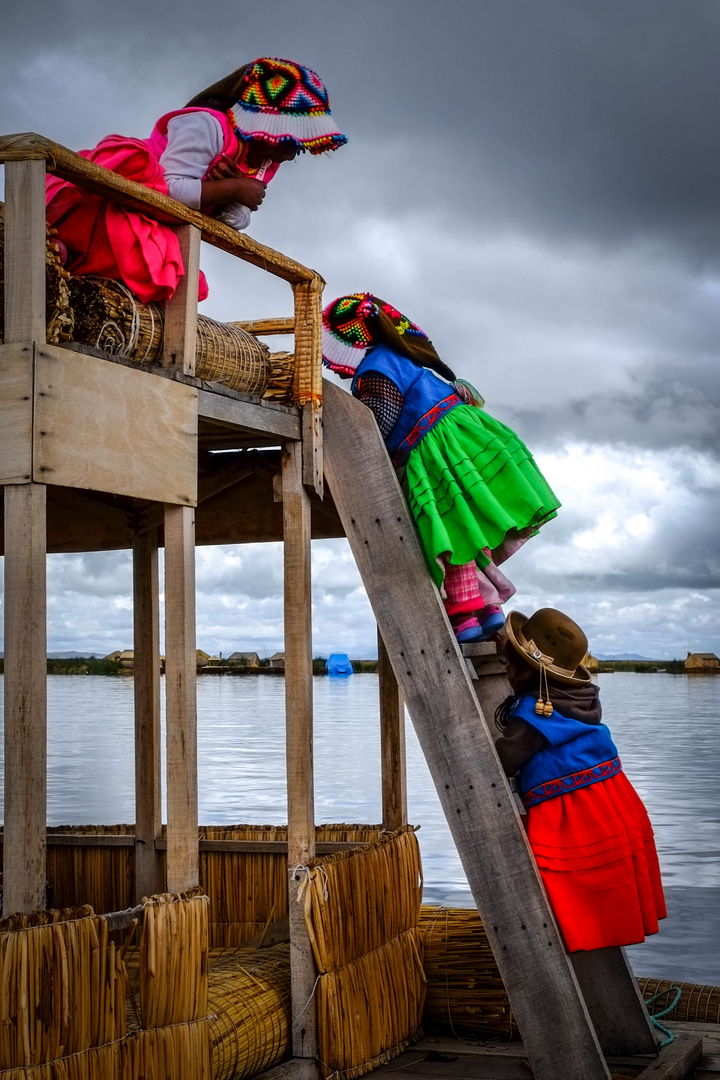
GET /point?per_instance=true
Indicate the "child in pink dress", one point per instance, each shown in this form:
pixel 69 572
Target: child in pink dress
pixel 216 155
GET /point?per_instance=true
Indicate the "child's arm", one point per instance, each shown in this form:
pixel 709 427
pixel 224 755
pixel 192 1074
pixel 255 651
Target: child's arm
pixel 194 140
pixel 517 744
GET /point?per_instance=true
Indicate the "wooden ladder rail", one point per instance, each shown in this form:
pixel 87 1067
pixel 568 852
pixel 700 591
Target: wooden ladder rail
pixel 544 989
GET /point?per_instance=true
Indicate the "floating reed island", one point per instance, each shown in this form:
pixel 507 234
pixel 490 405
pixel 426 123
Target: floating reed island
pixel 165 956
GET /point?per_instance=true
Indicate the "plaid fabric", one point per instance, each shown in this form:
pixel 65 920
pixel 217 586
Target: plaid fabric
pixel 467 588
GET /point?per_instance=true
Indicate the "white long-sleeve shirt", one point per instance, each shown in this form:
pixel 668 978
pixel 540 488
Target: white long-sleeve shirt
pixel 193 141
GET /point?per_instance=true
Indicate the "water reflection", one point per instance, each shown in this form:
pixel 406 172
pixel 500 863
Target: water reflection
pixel 665 727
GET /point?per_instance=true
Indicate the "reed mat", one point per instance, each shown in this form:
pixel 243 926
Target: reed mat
pixel 369 1011
pixel 59 317
pixel 356 901
pixel 697 1004
pixel 63 987
pixel 101 876
pixel 465 992
pixel 174 959
pixel 247 890
pixel 180 1052
pixel 97 1063
pixel 249 1004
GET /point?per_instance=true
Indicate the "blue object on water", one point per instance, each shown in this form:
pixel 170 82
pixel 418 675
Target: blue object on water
pixel 339 664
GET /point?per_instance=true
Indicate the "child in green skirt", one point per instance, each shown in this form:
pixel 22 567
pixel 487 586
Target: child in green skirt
pixel 472 486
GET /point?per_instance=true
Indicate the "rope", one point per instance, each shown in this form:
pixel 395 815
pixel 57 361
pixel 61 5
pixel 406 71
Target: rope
pixel 655 1017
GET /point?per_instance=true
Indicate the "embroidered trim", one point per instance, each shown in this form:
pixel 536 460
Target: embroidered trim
pixel 571 782
pixel 424 424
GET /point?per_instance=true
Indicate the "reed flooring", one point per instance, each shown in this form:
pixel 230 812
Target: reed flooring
pixel 442 1058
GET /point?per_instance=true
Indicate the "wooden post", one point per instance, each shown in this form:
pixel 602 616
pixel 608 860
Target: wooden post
pixel 392 744
pixel 24 871
pixel 299 734
pixel 181 707
pixel 308 387
pixel 148 788
pixel 24 251
pixel 180 328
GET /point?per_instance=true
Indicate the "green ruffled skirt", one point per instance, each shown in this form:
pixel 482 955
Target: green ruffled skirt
pixel 470 483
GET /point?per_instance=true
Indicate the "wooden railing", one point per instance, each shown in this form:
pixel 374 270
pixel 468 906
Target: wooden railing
pixel 307 284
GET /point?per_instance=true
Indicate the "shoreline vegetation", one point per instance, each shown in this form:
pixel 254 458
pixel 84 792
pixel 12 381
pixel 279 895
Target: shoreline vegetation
pixel 90 665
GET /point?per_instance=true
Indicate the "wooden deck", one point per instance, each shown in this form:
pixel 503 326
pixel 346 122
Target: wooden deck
pixel 442 1058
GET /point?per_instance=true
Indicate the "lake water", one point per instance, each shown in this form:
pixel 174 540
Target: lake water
pixel 666 727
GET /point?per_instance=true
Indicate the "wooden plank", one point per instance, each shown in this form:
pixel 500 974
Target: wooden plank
pixel 146 685
pixel 180 329
pixel 393 766
pixel 25 251
pixel 299 742
pixel 63 162
pixel 250 415
pixel 675 1061
pixel 111 428
pixel 181 707
pixel 490 684
pixel 267 327
pixel 269 847
pixel 16 415
pixel 473 790
pixel 308 385
pixel 87 840
pixel 614 1002
pixel 209 485
pixel 25 699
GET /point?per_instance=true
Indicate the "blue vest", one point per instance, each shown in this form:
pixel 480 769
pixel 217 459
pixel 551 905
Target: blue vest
pixel 578 755
pixel 426 398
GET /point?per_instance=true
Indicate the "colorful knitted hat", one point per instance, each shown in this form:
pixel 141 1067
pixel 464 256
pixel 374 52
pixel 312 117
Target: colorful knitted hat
pixel 353 324
pixel 281 101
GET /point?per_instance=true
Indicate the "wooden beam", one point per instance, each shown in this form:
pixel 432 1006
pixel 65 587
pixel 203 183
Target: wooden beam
pixel 180 330
pixel 25 251
pixel 299 737
pixel 308 387
pixel 63 162
pixel 181 707
pixel 24 870
pixel 614 1001
pixel 253 416
pixel 267 327
pixel 146 644
pixel 211 484
pixel 676 1061
pixel 392 743
pixel 474 793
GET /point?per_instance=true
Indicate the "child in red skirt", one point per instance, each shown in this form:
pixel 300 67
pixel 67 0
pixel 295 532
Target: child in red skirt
pixel 588 829
pixel 217 154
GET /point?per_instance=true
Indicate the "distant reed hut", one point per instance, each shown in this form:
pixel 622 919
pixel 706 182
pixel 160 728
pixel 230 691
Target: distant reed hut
pixel 277 661
pixel 249 660
pixel 702 663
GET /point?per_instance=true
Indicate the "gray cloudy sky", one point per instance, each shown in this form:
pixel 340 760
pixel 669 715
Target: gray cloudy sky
pixel 538 186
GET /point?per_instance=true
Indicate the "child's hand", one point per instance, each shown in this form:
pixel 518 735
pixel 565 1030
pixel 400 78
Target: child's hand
pixel 225 184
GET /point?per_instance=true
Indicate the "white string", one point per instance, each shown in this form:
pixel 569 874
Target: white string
pixel 302 869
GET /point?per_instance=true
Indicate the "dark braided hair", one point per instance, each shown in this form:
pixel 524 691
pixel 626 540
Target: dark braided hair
pixel 505 710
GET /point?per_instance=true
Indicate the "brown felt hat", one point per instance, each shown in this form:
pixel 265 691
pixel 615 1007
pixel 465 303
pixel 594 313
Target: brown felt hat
pixel 550 641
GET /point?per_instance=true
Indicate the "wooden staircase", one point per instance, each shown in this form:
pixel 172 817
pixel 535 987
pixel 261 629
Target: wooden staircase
pixel 571 1010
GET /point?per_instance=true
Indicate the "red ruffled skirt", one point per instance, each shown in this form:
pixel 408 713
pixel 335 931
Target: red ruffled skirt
pixel 109 240
pixel 596 854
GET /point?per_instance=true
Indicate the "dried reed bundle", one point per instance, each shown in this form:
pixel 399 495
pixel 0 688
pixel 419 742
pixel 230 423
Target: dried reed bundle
pixel 369 1011
pixel 109 317
pixel 63 987
pixel 357 900
pixel 465 991
pixel 97 1063
pixel 58 312
pixel 698 1004
pixel 249 1003
pixel 101 876
pixel 173 959
pixel 281 372
pixel 179 1052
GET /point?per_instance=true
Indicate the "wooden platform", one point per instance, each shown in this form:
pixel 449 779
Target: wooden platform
pixel 443 1058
